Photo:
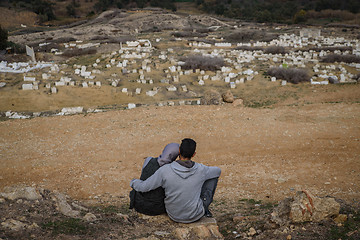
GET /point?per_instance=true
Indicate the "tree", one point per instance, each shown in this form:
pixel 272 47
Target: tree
pixel 300 17
pixel 263 16
pixel 44 8
pixel 3 38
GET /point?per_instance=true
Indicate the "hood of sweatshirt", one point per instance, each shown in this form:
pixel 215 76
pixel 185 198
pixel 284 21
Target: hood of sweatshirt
pixel 182 171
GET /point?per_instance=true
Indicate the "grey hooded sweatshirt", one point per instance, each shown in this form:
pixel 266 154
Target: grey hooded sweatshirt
pixel 182 189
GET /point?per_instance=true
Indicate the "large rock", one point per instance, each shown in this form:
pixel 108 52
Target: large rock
pixel 228 97
pixel 211 97
pixel 64 207
pixel 305 207
pixel 29 193
pixel 205 228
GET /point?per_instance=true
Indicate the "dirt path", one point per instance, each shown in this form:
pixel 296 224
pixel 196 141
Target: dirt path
pixel 263 153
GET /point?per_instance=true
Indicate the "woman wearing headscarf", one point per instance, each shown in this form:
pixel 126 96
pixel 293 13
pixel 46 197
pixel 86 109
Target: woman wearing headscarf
pixel 152 202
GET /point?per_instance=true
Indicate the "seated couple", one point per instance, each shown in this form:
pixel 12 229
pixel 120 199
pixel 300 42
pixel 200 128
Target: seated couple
pixel 183 189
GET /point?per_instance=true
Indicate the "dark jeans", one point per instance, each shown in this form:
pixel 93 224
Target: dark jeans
pixel 208 191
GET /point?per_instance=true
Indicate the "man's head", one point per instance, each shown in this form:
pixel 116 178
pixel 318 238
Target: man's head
pixel 187 148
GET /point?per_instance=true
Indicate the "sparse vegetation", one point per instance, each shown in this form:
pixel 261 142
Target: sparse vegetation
pixel 203 62
pixel 103 5
pixel 248 35
pixel 292 75
pixel 79 52
pixel 283 11
pixel 331 49
pixel 331 58
pixel 3 38
pixel 348 230
pixel 249 48
pixel 275 50
pixel 69 226
pixel 187 34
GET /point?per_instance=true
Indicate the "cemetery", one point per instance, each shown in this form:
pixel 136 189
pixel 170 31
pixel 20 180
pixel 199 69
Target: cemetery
pixel 150 69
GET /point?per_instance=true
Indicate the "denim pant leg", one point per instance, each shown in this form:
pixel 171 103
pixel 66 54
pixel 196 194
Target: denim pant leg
pixel 208 191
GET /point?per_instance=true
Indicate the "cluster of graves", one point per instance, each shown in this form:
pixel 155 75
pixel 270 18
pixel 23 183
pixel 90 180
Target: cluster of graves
pixel 136 62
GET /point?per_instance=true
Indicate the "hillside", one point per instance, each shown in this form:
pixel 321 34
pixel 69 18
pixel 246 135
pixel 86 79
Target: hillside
pixel 275 106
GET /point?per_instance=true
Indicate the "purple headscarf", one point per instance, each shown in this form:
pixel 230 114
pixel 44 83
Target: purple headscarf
pixel 169 154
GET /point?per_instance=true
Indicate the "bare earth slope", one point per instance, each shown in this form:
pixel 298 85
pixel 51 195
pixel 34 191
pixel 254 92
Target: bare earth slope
pixel 263 153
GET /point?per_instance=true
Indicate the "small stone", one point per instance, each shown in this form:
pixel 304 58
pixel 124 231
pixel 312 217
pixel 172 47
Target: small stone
pixel 33 226
pixel 341 218
pixel 13 224
pixel 161 233
pixel 238 218
pixel 123 216
pixel 238 102
pixel 288 237
pixel 89 217
pixel 252 231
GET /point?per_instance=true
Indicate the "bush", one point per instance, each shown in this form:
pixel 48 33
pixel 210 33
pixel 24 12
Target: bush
pixel 17 48
pixel 331 58
pixel 250 48
pixel 331 49
pixel 44 9
pixel 79 52
pixel 331 14
pixel 3 38
pixel 292 75
pixel 203 62
pixel 300 17
pixel 275 50
pixel 188 34
pixel 248 35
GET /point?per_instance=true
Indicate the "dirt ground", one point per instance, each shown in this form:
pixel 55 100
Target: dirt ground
pixel 263 153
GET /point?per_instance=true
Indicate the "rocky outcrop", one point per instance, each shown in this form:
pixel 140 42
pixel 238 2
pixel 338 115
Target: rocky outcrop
pixel 28 193
pixel 205 228
pixel 305 207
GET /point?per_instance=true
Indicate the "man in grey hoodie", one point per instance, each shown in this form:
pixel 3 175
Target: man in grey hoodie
pixel 187 198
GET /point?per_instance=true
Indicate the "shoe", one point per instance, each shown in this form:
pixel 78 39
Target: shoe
pixel 208 214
